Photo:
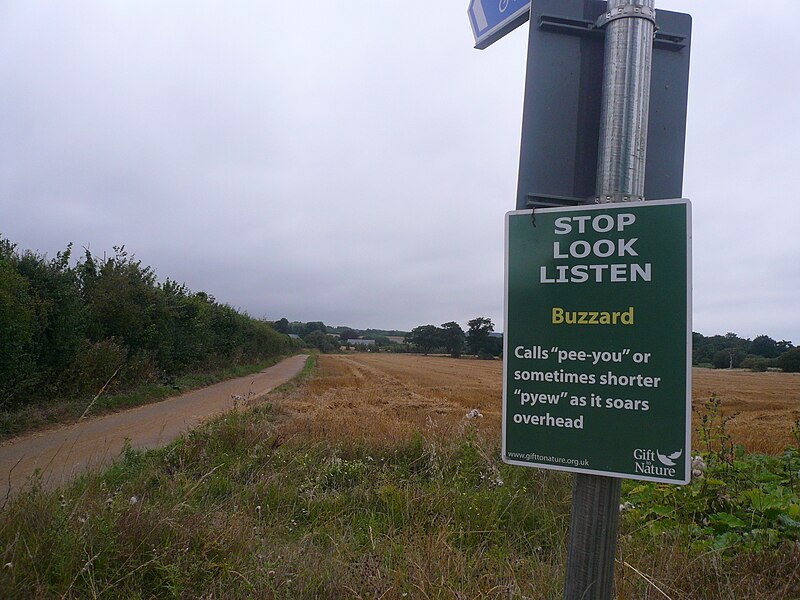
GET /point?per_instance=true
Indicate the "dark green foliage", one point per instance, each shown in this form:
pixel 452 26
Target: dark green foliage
pixel 719 350
pixel 426 338
pixel 322 341
pixel 17 334
pixel 737 502
pixel 453 338
pixel 493 346
pixel 281 325
pixel 66 330
pixel 758 364
pixel 313 326
pixel 731 351
pixel 790 361
pixel 730 358
pixel 450 338
pixel 372 333
pixel 765 346
pixel 478 338
pixel 347 333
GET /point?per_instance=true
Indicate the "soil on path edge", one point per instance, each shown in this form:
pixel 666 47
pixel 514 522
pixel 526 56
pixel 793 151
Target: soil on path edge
pixel 63 453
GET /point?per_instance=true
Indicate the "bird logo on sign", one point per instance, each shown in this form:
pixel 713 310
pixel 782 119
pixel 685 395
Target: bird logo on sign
pixel 669 460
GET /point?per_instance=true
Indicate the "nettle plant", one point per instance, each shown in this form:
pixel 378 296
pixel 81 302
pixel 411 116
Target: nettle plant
pixel 736 501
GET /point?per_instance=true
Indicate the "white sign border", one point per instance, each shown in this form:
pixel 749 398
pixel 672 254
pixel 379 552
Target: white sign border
pixel 688 432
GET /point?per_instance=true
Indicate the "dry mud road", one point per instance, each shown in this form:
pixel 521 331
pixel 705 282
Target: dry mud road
pixel 63 453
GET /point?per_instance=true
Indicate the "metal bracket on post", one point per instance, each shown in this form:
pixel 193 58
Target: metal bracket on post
pixel 582 27
pixel 614 198
pixel 628 11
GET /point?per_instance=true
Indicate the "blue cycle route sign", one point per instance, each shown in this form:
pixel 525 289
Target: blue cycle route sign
pixel 492 19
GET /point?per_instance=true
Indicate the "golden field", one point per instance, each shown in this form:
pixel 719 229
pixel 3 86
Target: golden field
pixel 385 397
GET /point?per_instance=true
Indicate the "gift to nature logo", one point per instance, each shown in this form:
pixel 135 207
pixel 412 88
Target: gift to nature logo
pixel 656 463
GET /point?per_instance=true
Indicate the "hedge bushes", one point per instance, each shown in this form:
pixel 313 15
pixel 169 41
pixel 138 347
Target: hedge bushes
pixel 65 330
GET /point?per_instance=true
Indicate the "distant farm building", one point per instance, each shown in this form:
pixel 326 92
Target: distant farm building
pixel 361 342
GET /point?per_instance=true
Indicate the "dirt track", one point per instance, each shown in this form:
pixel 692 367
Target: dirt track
pixel 62 453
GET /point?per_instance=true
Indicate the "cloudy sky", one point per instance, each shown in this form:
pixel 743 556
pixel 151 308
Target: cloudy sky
pixel 351 162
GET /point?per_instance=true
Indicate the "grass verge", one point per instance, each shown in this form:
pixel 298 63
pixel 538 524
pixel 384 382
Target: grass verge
pixel 38 416
pixel 253 506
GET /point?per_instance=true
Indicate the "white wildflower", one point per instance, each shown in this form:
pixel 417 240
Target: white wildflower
pixel 474 414
pixel 698 466
pixel 498 481
pixel 133 500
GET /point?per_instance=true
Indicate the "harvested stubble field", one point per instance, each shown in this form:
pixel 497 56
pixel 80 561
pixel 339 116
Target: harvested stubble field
pixel 388 395
pixel 763 407
pixel 366 480
pixel 385 398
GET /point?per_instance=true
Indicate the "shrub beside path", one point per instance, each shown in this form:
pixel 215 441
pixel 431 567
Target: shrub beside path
pixel 62 454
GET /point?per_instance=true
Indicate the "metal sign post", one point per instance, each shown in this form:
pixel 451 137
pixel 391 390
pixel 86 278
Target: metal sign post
pixel 591 71
pixel 630 29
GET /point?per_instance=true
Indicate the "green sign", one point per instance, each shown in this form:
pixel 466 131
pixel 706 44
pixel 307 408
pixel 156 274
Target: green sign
pixel 597 357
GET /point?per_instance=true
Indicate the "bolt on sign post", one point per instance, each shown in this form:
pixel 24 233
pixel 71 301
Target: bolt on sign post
pixel 598 290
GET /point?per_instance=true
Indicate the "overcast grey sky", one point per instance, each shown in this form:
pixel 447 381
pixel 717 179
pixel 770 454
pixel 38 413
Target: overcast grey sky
pixel 352 162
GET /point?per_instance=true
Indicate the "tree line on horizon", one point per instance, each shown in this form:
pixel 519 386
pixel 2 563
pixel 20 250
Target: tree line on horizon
pixel 66 330
pixel 727 351
pixel 451 339
pixel 717 351
pixel 730 351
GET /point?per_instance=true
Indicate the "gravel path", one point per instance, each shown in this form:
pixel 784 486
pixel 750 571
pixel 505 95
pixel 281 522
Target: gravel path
pixel 63 453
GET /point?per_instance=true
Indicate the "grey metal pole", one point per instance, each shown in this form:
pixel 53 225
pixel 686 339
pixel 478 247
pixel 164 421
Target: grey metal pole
pixel 626 100
pixel 630 28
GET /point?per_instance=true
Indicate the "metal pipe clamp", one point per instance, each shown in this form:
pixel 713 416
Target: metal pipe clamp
pixel 629 11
